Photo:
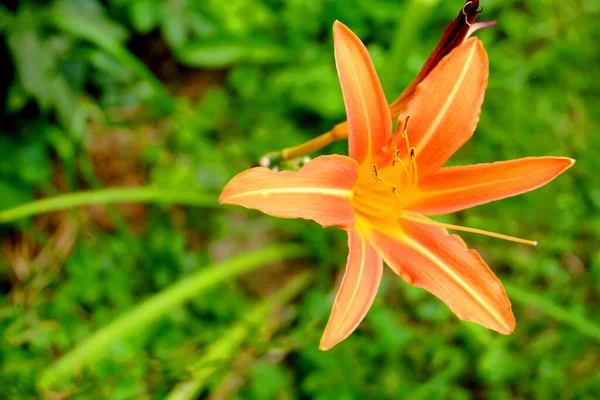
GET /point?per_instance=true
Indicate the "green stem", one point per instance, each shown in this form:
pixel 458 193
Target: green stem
pixel 557 312
pixel 98 345
pixel 143 194
pixel 415 13
pixel 229 345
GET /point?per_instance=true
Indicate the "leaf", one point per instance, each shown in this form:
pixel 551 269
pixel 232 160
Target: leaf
pixel 142 315
pixel 88 24
pixel 33 64
pixel 144 15
pixel 220 53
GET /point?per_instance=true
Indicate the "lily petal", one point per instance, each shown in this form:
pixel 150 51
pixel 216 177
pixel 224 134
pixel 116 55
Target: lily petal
pixel 458 30
pixel 369 120
pixel 426 256
pixel 357 291
pixel 445 108
pixel 456 188
pixel 321 190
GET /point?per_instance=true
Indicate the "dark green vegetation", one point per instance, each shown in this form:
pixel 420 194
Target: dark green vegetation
pixel 184 94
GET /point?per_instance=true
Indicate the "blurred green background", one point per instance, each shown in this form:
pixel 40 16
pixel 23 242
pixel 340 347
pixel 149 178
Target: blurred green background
pixel 171 99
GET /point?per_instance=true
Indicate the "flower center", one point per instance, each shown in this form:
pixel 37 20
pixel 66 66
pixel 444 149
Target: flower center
pixel 385 184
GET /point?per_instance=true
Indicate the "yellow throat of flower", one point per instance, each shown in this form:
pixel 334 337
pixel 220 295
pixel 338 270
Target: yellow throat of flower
pixel 384 186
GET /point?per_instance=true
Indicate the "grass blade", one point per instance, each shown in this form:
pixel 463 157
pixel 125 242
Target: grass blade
pixel 98 345
pixel 143 194
pixel 226 347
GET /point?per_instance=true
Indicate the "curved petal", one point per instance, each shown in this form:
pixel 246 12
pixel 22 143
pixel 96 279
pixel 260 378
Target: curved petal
pixel 445 108
pixel 357 291
pixel 456 188
pixel 456 33
pixel 427 257
pixel 321 190
pixel 369 121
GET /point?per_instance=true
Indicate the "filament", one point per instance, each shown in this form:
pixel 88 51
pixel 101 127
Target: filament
pixel 427 221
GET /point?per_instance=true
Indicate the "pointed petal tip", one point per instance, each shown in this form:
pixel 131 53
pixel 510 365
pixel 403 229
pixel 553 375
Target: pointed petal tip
pixel 330 338
pixel 509 328
pixel 504 326
pixel 565 162
pixel 326 345
pixel 338 27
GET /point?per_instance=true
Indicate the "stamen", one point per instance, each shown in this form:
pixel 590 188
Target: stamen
pixel 407 173
pixel 405 126
pixel 405 133
pixel 396 156
pixel 415 174
pixel 427 221
pixel 376 173
pixel 412 174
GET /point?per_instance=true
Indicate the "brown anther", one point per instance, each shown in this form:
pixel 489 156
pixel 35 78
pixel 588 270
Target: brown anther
pixel 412 152
pixel 394 189
pixel 396 158
pixel 405 126
pixel 376 173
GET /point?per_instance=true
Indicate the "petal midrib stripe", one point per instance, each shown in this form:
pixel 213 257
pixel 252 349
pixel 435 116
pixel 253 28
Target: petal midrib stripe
pixel 438 119
pixel 365 110
pixel 427 254
pixel 343 193
pixel 358 281
pixel 426 194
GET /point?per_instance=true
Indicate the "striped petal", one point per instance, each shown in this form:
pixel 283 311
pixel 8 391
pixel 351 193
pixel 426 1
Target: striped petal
pixel 369 119
pixel 427 257
pixel 456 188
pixel 456 33
pixel 321 190
pixel 445 108
pixel 357 291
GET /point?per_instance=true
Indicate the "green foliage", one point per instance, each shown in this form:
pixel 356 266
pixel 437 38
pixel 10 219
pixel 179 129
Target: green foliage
pixel 177 96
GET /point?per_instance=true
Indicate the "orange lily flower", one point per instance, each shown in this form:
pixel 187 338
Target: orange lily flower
pixel 382 193
pixel 457 32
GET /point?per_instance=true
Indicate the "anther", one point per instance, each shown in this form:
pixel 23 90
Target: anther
pixel 405 126
pixel 405 132
pixel 376 173
pixel 414 178
pixel 396 157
